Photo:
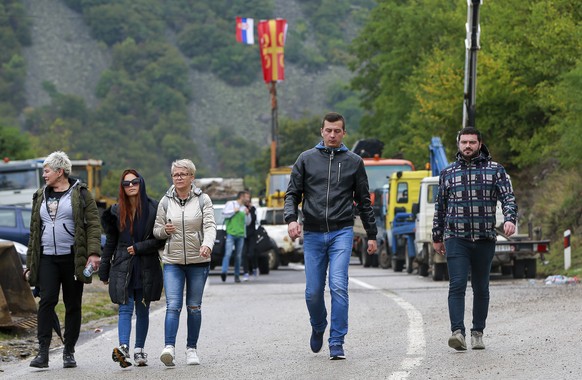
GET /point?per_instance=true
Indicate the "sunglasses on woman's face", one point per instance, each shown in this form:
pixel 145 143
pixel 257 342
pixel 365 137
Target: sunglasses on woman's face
pixel 133 182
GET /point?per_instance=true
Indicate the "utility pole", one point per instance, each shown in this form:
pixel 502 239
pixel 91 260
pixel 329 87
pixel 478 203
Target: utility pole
pixel 472 46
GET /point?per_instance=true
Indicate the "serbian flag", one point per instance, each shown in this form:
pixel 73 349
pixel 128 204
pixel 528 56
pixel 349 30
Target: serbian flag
pixel 245 30
pixel 272 35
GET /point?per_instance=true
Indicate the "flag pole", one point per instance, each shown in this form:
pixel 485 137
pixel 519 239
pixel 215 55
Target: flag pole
pixel 274 124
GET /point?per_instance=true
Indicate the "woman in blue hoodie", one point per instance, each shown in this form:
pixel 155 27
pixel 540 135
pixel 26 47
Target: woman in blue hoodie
pixel 130 263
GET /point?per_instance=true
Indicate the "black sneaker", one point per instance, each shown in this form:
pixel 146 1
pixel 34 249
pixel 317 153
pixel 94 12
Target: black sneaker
pixel 336 352
pixel 223 276
pixel 121 355
pixel 316 341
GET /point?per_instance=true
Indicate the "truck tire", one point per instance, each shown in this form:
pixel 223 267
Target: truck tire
pixel 264 264
pixel 518 268
pixel 423 270
pixel 409 263
pixel 423 265
pixel 273 257
pixel 439 271
pixel 283 260
pixel 365 258
pixel 384 257
pixel 530 268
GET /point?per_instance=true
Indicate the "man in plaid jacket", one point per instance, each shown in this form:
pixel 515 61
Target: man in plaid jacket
pixel 464 229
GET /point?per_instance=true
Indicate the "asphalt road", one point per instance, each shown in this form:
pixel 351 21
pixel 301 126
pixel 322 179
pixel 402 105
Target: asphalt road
pixel 398 330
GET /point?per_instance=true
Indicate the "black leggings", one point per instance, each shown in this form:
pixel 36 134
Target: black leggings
pixel 54 271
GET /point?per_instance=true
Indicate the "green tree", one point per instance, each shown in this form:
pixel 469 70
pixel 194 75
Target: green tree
pixel 14 144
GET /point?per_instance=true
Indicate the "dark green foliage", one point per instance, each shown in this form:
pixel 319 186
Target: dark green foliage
pixel 13 144
pixel 410 69
pixel 14 34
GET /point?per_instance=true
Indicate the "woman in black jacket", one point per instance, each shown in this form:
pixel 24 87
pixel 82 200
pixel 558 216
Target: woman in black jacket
pixel 130 263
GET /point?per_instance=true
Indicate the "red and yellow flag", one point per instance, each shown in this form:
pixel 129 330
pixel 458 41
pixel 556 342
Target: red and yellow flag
pixel 272 42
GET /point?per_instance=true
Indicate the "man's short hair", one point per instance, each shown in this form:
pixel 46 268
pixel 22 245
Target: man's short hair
pixel 332 117
pixel 58 160
pixel 469 131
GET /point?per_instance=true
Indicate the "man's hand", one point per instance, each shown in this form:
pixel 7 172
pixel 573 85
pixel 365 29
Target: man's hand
pixel 508 228
pixel 439 248
pixel 294 230
pixel 372 247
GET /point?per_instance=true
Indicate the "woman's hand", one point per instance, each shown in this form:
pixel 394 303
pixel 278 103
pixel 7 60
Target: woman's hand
pixel 205 251
pixel 169 227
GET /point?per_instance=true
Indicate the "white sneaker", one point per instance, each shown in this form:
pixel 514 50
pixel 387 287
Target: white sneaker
pixel 192 357
pixel 168 355
pixel 245 277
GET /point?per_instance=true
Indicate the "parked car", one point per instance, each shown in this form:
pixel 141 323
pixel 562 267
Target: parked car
pixel 266 247
pixel 15 223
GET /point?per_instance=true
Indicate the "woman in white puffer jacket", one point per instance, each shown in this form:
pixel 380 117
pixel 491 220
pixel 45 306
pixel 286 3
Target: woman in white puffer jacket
pixel 185 218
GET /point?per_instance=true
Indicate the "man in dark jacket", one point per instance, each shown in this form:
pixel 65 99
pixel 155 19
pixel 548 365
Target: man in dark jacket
pixel 464 228
pixel 327 180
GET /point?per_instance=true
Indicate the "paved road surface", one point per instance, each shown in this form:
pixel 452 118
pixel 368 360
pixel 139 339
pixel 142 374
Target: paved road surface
pixel 398 330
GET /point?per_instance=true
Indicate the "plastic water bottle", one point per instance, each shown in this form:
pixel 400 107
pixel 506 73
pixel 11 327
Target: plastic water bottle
pixel 88 271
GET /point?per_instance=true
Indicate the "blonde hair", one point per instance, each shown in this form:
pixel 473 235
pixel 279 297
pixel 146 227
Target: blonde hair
pixel 58 160
pixel 184 163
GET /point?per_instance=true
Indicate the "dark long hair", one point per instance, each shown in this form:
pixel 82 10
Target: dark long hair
pixel 126 214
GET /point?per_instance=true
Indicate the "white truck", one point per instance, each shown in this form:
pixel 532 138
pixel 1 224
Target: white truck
pixel 516 255
pixel 272 220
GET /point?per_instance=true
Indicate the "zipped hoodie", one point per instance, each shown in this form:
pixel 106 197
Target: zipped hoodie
pixel 87 235
pixel 327 181
pixel 467 199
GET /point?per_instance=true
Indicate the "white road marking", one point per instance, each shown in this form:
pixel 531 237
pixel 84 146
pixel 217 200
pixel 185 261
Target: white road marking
pixel 416 350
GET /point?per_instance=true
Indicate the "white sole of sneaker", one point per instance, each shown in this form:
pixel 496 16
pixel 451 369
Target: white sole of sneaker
pixel 167 359
pixel 457 344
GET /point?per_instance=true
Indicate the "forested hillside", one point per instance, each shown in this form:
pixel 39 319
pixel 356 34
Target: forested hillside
pixel 142 82
pixel 136 82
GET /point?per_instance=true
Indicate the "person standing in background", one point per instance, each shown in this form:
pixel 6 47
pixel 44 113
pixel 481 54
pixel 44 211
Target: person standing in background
pixel 250 259
pixel 236 218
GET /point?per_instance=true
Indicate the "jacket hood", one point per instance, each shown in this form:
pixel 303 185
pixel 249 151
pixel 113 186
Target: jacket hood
pixel 72 181
pixel 171 193
pixel 484 155
pixel 341 148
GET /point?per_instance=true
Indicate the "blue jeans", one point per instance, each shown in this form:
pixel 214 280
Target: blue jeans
pixel 142 312
pixel 464 255
pixel 323 249
pixel 237 242
pixel 175 277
